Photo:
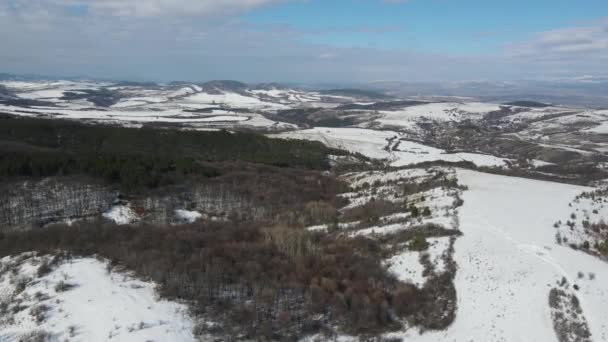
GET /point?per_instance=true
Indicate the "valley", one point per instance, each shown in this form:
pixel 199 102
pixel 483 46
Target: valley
pixel 227 211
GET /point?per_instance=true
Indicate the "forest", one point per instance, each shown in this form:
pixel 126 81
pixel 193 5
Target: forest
pixel 260 282
pixel 136 158
pixel 261 276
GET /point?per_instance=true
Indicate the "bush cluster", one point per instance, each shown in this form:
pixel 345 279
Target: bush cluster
pixel 260 279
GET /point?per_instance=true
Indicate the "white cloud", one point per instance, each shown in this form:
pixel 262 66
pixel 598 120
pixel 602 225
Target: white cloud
pixel 152 39
pixel 149 8
pixel 590 38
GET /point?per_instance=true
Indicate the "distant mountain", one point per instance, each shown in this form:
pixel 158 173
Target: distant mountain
pixel 388 105
pixel 4 76
pixel 529 104
pixel 29 77
pixel 4 92
pixel 269 86
pixel 136 84
pixel 576 91
pixel 224 85
pixel 359 93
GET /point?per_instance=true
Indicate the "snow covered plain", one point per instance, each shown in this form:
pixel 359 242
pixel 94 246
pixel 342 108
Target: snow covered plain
pixel 386 145
pixel 80 300
pixel 186 105
pixel 442 111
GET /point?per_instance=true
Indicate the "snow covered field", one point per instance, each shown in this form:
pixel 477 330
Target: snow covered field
pixel 444 111
pixel 508 261
pixel 370 143
pixel 80 300
pixel 386 145
pixel 168 104
pixel 408 268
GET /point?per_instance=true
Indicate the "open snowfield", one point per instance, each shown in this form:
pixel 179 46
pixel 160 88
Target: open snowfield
pixel 370 143
pixel 386 145
pixel 408 268
pixel 602 128
pixel 448 111
pixel 171 105
pixel 410 152
pixel 169 115
pixel 508 261
pixel 96 305
pixel 233 100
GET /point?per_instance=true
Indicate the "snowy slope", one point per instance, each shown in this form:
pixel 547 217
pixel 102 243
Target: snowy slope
pixel 162 104
pixel 508 261
pixel 448 111
pixel 96 306
pixel 386 145
pixel 370 143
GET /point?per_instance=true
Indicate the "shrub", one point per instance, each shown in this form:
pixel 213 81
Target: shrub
pixel 418 243
pixel 43 269
pixel 39 312
pixel 414 211
pixel 35 336
pixel 62 286
pixel 602 247
pixel 21 284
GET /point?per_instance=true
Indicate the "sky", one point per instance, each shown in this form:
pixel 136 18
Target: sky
pixel 306 41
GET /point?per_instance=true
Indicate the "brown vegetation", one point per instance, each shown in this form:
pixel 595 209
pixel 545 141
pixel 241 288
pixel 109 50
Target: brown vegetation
pixel 277 282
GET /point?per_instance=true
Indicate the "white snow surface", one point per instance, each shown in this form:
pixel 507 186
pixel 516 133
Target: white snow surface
pixel 368 142
pixel 140 105
pixel 187 216
pixel 442 111
pixel 232 99
pixel 101 305
pixel 508 261
pixel 378 145
pixel 120 214
pixel 601 129
pixel 407 267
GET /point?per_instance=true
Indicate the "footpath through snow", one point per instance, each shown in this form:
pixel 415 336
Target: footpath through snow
pixel 508 261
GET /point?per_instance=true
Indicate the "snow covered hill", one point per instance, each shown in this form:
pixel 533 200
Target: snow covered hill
pixel 524 256
pixel 388 145
pixel 42 299
pixel 214 104
pixel 514 282
pixel 509 261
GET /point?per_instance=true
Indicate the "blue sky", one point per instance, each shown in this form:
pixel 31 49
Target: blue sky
pixel 306 40
pixel 451 26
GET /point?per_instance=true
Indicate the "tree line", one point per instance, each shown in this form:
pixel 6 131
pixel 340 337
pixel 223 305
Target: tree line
pixel 144 157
